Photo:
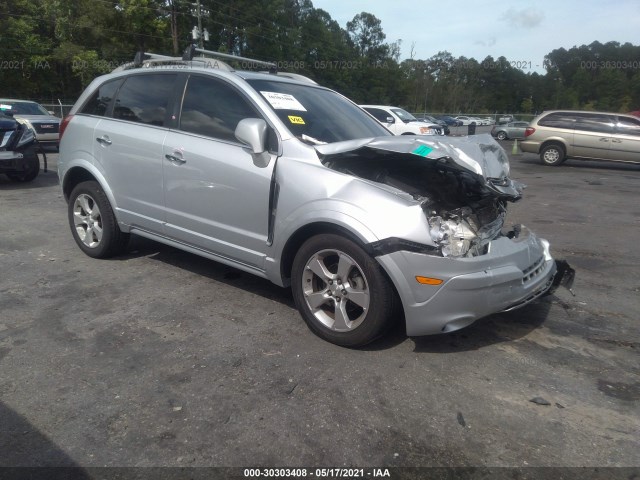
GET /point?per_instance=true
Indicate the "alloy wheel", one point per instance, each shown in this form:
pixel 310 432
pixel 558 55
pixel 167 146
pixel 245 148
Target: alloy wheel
pixel 87 220
pixel 335 290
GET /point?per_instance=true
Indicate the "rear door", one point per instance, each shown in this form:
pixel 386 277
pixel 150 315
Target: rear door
pixel 216 198
pixel 129 146
pixel 517 129
pixel 625 143
pixel 592 135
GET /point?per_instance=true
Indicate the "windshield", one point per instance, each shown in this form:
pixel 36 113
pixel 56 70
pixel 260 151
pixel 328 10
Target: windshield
pixel 23 108
pixel 316 115
pixel 405 116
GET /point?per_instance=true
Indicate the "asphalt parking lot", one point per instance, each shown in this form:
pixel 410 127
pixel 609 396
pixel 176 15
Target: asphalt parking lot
pixel 162 358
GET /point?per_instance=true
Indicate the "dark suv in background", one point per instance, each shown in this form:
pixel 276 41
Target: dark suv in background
pixel 560 134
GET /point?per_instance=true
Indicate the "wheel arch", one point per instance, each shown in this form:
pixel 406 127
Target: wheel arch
pixel 85 173
pixel 301 235
pixel 554 141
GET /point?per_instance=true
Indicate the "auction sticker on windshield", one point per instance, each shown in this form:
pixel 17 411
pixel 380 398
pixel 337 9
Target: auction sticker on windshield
pixel 283 101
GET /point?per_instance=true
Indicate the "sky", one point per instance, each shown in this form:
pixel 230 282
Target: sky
pixel 523 31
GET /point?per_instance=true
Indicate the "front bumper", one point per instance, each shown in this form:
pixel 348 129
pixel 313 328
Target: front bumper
pixel 513 273
pixel 15 162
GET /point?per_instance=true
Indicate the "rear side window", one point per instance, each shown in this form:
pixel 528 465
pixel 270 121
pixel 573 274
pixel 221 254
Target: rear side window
pixel 99 102
pixel 145 98
pixel 593 122
pixel 558 120
pixel 628 126
pixel 213 108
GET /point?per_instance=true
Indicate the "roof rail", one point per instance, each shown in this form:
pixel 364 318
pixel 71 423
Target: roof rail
pixel 191 50
pixel 149 60
pixel 296 76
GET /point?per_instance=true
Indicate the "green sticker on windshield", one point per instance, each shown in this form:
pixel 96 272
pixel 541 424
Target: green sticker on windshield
pixel 422 150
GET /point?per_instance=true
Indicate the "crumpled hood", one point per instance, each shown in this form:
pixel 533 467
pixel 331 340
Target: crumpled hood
pixel 478 154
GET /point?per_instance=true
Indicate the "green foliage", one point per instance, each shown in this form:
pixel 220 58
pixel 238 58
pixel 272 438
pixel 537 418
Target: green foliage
pixel 59 46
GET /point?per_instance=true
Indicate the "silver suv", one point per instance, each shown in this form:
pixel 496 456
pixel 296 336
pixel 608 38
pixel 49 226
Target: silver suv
pixel 290 181
pixel 560 134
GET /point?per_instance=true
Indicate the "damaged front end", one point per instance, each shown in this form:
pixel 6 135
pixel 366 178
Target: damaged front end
pixel 461 184
pixel 18 156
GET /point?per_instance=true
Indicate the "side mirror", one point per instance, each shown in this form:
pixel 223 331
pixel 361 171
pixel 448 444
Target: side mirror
pixel 51 112
pixel 253 133
pixel 390 120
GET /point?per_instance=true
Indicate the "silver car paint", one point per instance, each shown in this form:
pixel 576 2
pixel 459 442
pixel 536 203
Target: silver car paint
pixel 309 193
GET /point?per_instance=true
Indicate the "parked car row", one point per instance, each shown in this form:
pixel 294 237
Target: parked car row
pixel 433 120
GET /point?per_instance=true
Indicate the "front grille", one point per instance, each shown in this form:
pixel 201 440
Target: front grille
pixel 533 270
pixel 46 127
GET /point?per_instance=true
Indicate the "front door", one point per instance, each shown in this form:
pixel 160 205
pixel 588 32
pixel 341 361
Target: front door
pixel 216 198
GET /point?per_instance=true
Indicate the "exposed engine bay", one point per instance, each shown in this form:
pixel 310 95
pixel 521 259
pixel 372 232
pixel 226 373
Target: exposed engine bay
pixel 465 211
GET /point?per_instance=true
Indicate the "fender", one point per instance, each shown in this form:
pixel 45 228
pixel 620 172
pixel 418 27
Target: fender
pixel 322 216
pixel 96 173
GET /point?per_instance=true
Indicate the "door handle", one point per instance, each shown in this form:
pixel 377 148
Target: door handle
pixel 604 139
pixel 175 159
pixel 616 141
pixel 104 140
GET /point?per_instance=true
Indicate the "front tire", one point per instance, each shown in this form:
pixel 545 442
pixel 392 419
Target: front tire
pixel 502 136
pixel 93 224
pixel 32 164
pixel 341 292
pixel 552 154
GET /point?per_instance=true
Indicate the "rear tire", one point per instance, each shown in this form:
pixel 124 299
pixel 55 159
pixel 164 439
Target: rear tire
pixel 93 224
pixel 552 154
pixel 341 292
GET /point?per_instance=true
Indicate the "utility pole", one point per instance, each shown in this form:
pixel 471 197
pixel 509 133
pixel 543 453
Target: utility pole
pixel 198 33
pixel 201 43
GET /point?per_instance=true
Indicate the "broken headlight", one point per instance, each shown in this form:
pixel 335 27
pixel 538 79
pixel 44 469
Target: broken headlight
pixel 455 237
pixel 26 137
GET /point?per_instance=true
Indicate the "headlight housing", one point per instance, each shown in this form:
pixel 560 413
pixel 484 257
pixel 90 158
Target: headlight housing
pixel 454 237
pixel 428 131
pixel 27 136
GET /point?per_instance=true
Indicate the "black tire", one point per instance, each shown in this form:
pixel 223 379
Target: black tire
pixel 89 222
pixel 552 154
pixel 367 307
pixel 32 164
pixel 502 136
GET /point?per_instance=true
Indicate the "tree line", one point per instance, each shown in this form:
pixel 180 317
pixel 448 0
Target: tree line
pixel 52 49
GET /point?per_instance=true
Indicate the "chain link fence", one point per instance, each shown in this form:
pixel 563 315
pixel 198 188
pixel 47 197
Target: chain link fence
pixel 59 109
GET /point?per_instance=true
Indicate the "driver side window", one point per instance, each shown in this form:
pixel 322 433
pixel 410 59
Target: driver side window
pixel 212 108
pixel 380 115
